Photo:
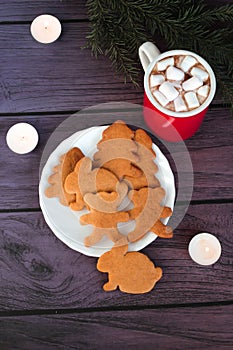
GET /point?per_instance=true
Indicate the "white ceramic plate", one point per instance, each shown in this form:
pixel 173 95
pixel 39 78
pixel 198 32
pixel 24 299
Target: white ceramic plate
pixel 65 222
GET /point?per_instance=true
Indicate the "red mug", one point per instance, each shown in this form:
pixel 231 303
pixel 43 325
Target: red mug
pixel 167 124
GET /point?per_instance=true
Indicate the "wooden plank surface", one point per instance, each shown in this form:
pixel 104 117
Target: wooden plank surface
pixel 201 328
pixel 40 276
pixel 19 175
pixel 25 10
pixel 38 271
pixel 17 10
pixel 57 77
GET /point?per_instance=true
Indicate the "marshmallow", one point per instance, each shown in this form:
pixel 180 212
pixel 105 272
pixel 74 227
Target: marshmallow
pixel 200 73
pixel 156 79
pixel 163 64
pixel 191 100
pixel 179 104
pixel 192 84
pixel 168 91
pixel 187 63
pixel 177 85
pixel 174 73
pixel 203 90
pixel 160 98
pixel 201 99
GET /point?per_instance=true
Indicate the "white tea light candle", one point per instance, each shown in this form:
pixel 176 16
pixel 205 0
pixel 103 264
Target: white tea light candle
pixel 22 138
pixel 205 249
pixel 46 29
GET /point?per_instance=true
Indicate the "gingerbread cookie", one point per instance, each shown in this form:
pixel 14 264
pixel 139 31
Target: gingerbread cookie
pixel 85 180
pixel 105 201
pixel 132 272
pixel 122 168
pixel 136 183
pixel 143 138
pixel 147 213
pixel 147 178
pixel 105 224
pixel 60 172
pixel 117 130
pixel 117 152
pixel 147 165
pixel 159 228
pixel 116 149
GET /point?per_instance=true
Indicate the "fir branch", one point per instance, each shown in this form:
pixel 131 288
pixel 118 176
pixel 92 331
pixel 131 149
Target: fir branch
pixel 222 14
pixel 118 28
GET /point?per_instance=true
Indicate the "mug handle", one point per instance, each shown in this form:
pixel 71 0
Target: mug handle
pixel 147 53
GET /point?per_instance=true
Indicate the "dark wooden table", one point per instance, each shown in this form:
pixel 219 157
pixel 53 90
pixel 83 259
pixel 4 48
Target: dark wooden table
pixel 51 297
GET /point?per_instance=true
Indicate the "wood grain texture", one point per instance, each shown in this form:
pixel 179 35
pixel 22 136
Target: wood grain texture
pixel 37 271
pixel 56 77
pixel 199 328
pixel 25 10
pixel 17 10
pixel 19 175
pixel 40 274
pixel 216 130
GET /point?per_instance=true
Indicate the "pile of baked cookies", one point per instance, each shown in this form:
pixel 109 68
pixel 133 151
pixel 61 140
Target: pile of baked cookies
pixel 118 185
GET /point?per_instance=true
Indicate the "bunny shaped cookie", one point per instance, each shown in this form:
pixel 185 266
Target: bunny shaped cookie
pixel 133 272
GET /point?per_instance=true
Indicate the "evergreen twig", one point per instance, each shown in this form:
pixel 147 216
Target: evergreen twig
pixel 119 27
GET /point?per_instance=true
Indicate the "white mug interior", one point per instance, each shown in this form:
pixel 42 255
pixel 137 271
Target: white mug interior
pixel 166 111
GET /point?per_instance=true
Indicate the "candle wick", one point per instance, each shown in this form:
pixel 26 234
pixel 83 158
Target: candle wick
pixel 46 24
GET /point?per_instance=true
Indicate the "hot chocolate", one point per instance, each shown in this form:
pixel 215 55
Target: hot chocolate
pixel 179 83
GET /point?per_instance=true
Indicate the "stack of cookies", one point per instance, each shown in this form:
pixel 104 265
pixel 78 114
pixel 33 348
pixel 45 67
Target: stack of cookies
pixel 122 168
